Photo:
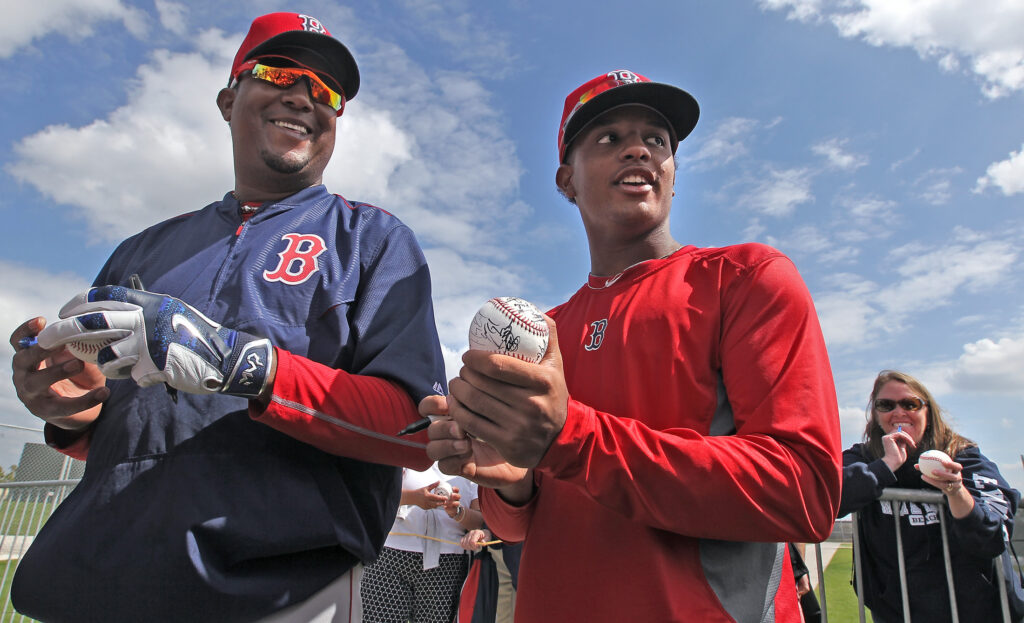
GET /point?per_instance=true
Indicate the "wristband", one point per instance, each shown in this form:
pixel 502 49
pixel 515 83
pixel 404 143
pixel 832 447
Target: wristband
pixel 460 513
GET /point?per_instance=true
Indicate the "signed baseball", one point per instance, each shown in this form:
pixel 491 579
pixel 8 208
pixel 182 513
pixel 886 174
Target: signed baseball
pixel 510 326
pixel 443 489
pixel 930 461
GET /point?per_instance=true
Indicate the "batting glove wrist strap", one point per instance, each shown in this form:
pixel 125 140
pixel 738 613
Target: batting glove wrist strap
pixel 248 367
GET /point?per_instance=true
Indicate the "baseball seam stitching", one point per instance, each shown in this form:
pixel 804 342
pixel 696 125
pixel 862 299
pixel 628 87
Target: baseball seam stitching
pixel 513 316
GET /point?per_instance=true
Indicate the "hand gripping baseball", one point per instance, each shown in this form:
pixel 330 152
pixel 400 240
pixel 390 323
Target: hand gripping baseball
pixel 163 340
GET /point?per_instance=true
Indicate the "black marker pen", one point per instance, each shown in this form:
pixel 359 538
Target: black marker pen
pixel 415 427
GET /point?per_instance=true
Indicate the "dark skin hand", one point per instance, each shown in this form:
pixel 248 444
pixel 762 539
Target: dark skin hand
pixel 53 385
pixel 517 407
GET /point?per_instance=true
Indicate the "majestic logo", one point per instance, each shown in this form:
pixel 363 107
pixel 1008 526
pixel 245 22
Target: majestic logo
pixel 312 24
pixel 298 260
pixel 181 322
pixel 596 334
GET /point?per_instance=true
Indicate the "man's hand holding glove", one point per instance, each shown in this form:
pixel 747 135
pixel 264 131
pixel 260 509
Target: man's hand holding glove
pixel 162 339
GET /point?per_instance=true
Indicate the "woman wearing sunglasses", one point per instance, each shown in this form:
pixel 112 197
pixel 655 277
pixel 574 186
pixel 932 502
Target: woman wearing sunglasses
pixel 904 420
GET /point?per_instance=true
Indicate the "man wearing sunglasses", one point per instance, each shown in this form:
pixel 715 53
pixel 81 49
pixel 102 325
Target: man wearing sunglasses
pixel 239 426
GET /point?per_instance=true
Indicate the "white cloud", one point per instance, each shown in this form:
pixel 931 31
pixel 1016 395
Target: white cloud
pixel 457 184
pixel 1007 175
pixel 838 158
pixel 851 424
pixel 25 22
pixel 846 313
pixel 981 36
pixel 456 25
pixel 810 240
pixel 989 365
pixel 935 185
pixel 902 161
pixel 802 10
pixel 869 210
pixel 856 313
pixel 779 193
pixel 931 278
pixel 167 151
pixel 753 230
pixel 172 16
pixel 725 142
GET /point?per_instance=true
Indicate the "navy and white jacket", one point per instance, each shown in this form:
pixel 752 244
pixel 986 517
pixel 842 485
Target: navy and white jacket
pixel 193 511
pixel 973 541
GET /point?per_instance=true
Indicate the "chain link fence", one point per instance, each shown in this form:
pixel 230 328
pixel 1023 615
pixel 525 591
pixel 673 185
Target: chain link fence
pixel 40 482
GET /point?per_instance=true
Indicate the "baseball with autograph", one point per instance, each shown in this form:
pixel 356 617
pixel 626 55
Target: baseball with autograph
pixel 510 326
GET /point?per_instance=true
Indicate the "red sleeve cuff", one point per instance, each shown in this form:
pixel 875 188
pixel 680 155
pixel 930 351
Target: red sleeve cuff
pixel 508 522
pixel 73 443
pixel 562 459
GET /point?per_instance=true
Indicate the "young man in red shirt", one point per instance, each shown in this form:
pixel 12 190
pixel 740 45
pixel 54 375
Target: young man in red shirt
pixel 683 424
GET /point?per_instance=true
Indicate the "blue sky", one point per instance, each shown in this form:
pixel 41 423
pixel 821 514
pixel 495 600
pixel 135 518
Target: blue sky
pixel 879 143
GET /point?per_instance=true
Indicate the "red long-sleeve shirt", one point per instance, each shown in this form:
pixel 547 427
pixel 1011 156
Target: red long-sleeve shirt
pixel 702 419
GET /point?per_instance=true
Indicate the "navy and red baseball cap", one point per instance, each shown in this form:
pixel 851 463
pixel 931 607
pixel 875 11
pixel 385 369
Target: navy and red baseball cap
pixel 303 38
pixel 621 87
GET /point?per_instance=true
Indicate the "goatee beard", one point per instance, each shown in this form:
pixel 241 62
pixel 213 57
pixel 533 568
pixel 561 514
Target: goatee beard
pixel 281 164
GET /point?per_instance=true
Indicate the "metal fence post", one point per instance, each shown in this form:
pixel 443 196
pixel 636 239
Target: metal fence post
pixel 897 497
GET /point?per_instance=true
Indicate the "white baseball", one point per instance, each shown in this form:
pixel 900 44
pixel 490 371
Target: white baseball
pixel 931 460
pixel 87 350
pixel 443 489
pixel 510 326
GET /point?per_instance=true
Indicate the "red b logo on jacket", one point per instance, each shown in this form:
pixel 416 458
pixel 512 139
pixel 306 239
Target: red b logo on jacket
pixel 298 260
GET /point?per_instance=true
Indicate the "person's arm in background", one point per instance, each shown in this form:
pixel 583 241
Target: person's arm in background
pixel 995 502
pixel 863 479
pixel 469 517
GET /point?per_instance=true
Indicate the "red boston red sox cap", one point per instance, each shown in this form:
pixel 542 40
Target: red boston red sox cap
pixel 299 37
pixel 620 87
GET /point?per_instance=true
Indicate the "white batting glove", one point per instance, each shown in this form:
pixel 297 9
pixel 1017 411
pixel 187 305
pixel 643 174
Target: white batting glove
pixel 163 340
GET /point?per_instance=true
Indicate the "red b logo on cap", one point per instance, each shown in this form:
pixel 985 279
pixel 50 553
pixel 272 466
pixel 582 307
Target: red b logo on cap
pixel 624 75
pixel 312 24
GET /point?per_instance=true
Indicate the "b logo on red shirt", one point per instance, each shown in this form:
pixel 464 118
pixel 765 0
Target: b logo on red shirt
pixel 298 260
pixel 596 334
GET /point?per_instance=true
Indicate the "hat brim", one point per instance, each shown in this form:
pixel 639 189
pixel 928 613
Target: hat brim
pixel 678 107
pixel 336 59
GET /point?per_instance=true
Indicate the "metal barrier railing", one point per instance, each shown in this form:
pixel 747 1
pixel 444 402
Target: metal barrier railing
pixel 899 497
pixel 24 508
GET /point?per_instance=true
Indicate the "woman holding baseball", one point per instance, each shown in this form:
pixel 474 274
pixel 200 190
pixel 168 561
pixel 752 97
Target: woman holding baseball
pixel 904 421
pixel 423 565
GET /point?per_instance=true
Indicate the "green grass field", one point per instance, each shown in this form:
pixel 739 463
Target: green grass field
pixel 841 600
pixel 19 518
